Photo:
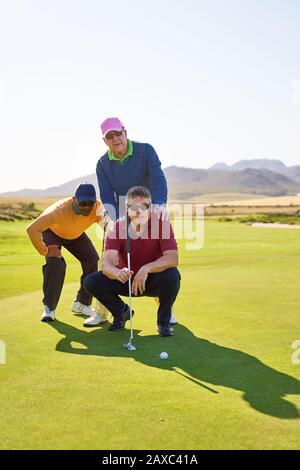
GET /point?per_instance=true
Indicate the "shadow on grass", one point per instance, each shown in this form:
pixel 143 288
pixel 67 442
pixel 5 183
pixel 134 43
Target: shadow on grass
pixel 197 360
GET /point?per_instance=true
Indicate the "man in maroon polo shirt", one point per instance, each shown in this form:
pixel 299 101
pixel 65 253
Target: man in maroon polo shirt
pixel 154 260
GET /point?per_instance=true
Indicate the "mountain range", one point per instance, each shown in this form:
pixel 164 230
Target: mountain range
pixel 276 166
pixel 259 176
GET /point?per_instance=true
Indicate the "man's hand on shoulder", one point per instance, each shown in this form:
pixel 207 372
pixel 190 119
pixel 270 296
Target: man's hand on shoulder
pixel 160 211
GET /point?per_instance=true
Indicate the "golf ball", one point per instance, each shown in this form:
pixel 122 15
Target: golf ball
pixel 164 355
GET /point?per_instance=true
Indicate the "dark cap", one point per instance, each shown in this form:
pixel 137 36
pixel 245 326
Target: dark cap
pixel 85 192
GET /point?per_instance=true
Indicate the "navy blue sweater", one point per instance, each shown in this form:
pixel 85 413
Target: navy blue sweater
pixel 142 168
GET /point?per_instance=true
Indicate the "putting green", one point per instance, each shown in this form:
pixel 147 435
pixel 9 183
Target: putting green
pixel 229 381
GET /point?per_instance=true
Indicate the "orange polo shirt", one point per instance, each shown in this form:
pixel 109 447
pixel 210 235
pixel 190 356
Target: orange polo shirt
pixel 63 221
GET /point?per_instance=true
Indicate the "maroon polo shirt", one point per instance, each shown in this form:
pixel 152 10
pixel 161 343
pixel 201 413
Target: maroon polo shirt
pixel 148 247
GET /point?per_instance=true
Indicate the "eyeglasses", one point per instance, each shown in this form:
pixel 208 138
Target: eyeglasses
pixel 111 135
pixel 86 203
pixel 139 207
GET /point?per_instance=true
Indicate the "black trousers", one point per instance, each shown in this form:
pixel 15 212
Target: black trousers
pixel 55 268
pixel 164 285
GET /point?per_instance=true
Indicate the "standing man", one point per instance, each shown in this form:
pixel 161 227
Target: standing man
pixel 153 260
pixel 63 224
pixel 126 164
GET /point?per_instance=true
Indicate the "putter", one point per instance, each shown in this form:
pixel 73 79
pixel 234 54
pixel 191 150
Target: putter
pixel 129 345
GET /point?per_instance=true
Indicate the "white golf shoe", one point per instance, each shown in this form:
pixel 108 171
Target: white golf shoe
pixel 48 314
pixel 85 310
pixel 173 320
pixel 95 320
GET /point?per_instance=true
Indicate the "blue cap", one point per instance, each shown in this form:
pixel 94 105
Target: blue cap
pixel 85 192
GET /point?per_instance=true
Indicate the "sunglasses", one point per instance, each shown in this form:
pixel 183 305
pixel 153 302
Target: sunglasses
pixel 111 135
pixel 86 203
pixel 139 207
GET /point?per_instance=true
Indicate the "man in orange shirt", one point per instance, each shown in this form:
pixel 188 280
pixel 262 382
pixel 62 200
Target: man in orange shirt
pixel 63 224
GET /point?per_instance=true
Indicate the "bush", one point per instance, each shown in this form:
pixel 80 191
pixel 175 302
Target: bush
pixel 21 217
pixel 28 207
pixel 7 218
pixel 270 219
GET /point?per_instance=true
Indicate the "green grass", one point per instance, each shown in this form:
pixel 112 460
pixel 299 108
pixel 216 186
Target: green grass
pixel 228 383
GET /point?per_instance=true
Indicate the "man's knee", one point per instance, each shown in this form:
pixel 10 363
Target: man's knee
pixel 93 282
pixel 55 264
pixel 89 283
pixel 170 279
pixel 171 275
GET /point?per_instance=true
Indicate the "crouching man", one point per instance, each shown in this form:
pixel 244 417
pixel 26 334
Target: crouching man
pixel 63 225
pixel 153 260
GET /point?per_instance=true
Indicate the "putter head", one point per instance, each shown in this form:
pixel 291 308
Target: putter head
pixel 130 347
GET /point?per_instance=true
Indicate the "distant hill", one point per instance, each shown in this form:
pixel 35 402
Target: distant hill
pixel 220 166
pixel 246 176
pixel 186 182
pixel 260 164
pixel 62 190
pixel 292 172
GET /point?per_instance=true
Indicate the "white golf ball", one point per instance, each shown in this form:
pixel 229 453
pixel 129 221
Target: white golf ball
pixel 164 355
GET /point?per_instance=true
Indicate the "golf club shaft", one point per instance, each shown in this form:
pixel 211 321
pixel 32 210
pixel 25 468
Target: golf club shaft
pixel 130 302
pixel 104 235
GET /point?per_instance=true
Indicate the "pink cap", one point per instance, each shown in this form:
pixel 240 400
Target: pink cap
pixel 111 124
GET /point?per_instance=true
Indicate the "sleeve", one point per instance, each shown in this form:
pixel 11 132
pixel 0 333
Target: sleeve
pixel 38 226
pixel 112 241
pixel 158 182
pixel 167 239
pixel 107 194
pixel 99 212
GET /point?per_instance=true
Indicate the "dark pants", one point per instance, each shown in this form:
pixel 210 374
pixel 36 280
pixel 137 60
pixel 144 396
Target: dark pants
pixel 164 285
pixel 55 268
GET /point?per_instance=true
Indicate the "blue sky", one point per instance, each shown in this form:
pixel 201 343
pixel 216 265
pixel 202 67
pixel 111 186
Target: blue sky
pixel 202 81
